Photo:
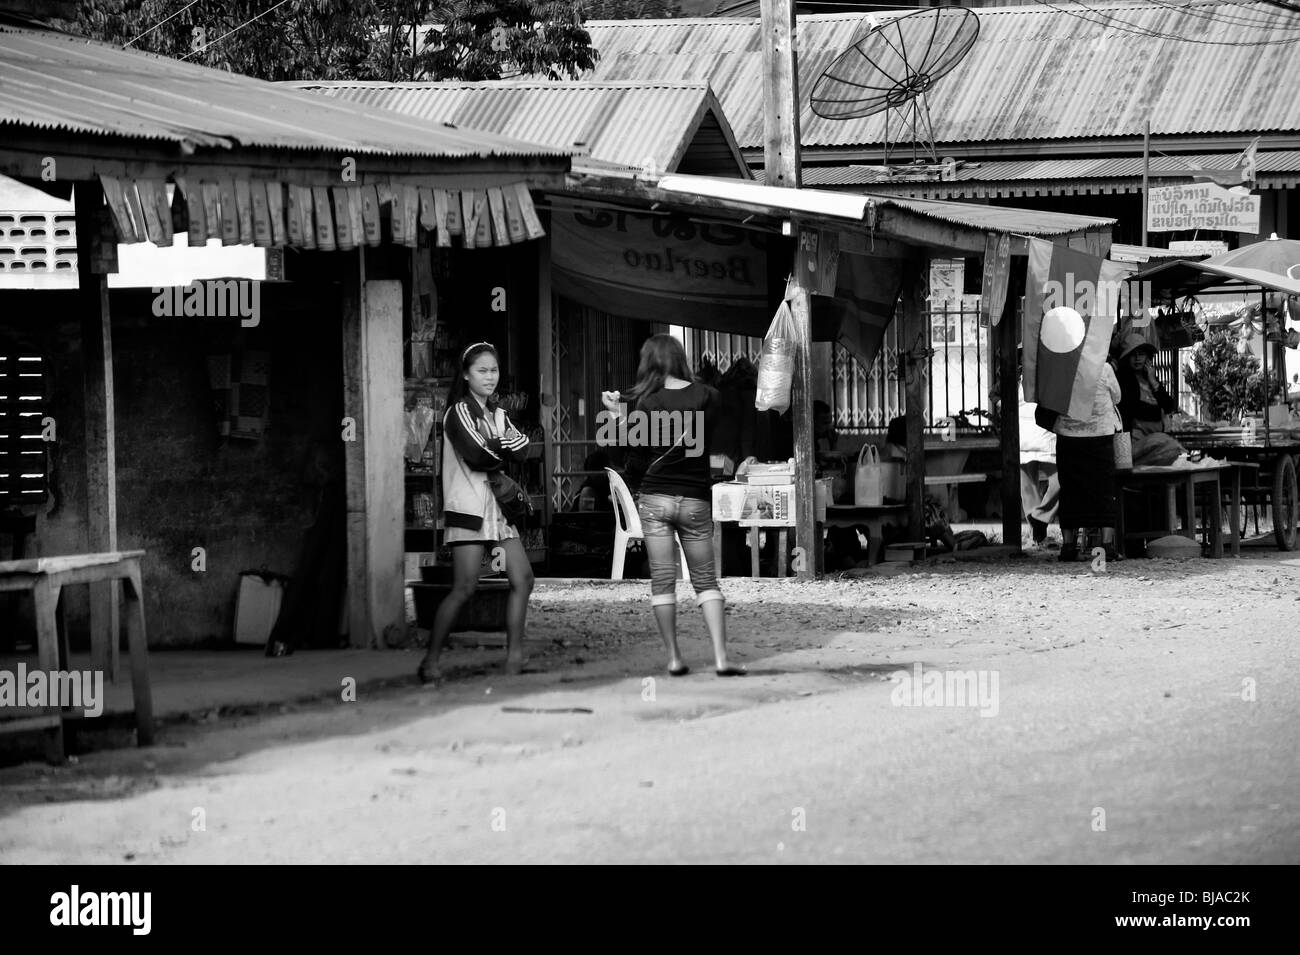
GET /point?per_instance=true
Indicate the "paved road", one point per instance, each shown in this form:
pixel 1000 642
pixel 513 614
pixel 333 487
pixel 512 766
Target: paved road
pixel 1145 717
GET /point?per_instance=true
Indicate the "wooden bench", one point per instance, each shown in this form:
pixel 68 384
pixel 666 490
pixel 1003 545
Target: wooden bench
pixel 932 480
pixel 46 577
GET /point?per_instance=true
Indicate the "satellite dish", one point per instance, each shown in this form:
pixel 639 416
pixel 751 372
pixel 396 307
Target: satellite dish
pixel 893 66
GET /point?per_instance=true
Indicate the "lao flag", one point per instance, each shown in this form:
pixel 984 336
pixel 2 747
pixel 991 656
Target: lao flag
pixel 1070 303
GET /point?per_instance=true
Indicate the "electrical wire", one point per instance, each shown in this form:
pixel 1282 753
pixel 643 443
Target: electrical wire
pixel 160 23
pixel 1127 26
pixel 1238 19
pixel 1255 25
pixel 235 30
pixel 1232 20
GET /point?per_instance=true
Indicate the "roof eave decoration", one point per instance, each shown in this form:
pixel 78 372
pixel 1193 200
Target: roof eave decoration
pixel 272 214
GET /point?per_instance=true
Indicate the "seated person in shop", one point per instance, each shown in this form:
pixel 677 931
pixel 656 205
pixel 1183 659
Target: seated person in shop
pixel 594 493
pixel 937 528
pixel 780 443
pixel 1144 402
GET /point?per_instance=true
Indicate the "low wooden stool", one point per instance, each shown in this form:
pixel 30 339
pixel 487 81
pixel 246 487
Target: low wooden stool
pixel 918 549
pixel 45 577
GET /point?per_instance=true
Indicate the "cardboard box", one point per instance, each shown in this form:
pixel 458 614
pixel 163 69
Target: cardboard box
pixel 763 505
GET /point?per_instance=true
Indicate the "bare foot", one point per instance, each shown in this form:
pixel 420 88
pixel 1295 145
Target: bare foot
pixel 515 665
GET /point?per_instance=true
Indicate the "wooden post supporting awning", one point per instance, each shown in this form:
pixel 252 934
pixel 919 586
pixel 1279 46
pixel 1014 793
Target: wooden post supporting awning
pixel 275 214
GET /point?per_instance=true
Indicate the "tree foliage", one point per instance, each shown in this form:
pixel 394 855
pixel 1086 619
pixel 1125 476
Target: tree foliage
pixel 354 39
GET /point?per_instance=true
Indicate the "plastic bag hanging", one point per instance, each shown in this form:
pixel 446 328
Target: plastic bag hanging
pixel 776 364
pixel 419 422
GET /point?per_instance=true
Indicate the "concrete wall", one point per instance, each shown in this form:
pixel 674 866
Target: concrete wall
pixel 180 485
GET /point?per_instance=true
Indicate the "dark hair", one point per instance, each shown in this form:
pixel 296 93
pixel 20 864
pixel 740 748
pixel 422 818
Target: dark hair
pixel 897 433
pixel 661 356
pixel 596 461
pixel 459 386
pixel 821 407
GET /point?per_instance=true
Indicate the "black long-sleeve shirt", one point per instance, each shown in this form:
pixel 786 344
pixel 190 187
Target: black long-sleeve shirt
pixel 670 455
pixel 476 440
pixel 1131 406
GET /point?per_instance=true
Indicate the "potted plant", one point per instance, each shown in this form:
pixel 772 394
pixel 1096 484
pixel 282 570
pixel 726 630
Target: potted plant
pixel 1228 383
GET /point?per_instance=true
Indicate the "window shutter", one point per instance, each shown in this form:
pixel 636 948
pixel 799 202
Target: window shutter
pixel 22 450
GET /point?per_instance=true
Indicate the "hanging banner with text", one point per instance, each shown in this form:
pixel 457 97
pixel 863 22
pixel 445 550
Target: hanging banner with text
pixel 661 268
pixel 1202 205
pixel 997 273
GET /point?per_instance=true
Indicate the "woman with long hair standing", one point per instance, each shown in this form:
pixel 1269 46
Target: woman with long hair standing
pixel 478 440
pixel 677 415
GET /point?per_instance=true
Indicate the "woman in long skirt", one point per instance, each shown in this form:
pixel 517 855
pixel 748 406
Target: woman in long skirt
pixel 1085 465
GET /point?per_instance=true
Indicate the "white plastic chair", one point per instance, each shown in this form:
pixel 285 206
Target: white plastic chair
pixel 627 526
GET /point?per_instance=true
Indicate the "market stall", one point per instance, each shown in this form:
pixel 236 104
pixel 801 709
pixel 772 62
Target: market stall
pixel 1271 438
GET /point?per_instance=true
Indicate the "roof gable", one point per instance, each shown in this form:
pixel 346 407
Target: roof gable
pixel 667 127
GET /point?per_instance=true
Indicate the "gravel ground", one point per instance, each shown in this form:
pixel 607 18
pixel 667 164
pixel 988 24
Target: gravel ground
pixel 1127 681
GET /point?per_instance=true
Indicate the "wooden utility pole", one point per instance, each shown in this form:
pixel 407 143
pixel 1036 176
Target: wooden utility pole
pixel 780 95
pixel 913 363
pixel 101 427
pixel 372 394
pixel 1007 332
pixel 781 168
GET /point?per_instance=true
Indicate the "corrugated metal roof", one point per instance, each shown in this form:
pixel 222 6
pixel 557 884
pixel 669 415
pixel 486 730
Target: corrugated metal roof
pixel 1031 222
pixel 60 82
pixel 629 123
pixel 1035 73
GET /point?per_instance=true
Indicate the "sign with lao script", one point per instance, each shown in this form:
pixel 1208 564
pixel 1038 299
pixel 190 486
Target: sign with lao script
pixel 1202 205
pixel 1198 248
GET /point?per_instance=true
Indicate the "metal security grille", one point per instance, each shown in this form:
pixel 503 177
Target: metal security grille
pixel 960 366
pixel 864 400
pixel 719 348
pixel 22 447
pixel 591 351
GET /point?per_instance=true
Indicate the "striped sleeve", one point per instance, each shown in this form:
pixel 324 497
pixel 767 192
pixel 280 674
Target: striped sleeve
pixel 478 453
pixel 516 449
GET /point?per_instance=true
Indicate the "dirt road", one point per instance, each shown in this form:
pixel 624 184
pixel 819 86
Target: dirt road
pixel 1147 714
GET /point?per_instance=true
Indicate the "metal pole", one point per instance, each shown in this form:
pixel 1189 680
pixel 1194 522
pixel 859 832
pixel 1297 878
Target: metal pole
pixel 1146 177
pixel 1263 315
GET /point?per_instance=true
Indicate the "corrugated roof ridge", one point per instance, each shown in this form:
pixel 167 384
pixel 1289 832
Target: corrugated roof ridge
pixel 497 84
pixel 73 40
pixel 1041 8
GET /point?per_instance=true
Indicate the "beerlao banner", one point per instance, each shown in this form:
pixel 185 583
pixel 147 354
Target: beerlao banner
pixel 1202 205
pixel 661 268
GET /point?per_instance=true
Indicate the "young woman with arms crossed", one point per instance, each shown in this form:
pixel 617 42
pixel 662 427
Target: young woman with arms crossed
pixel 478 440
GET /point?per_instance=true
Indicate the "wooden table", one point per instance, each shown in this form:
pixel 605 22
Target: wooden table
pixel 755 530
pixel 46 577
pixel 1277 456
pixel 1172 480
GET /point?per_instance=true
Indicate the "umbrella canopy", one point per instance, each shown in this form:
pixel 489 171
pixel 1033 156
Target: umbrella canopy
pixel 1189 278
pixel 1278 256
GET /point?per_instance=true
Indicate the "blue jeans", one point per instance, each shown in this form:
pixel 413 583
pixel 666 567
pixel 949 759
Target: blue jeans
pixel 690 519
